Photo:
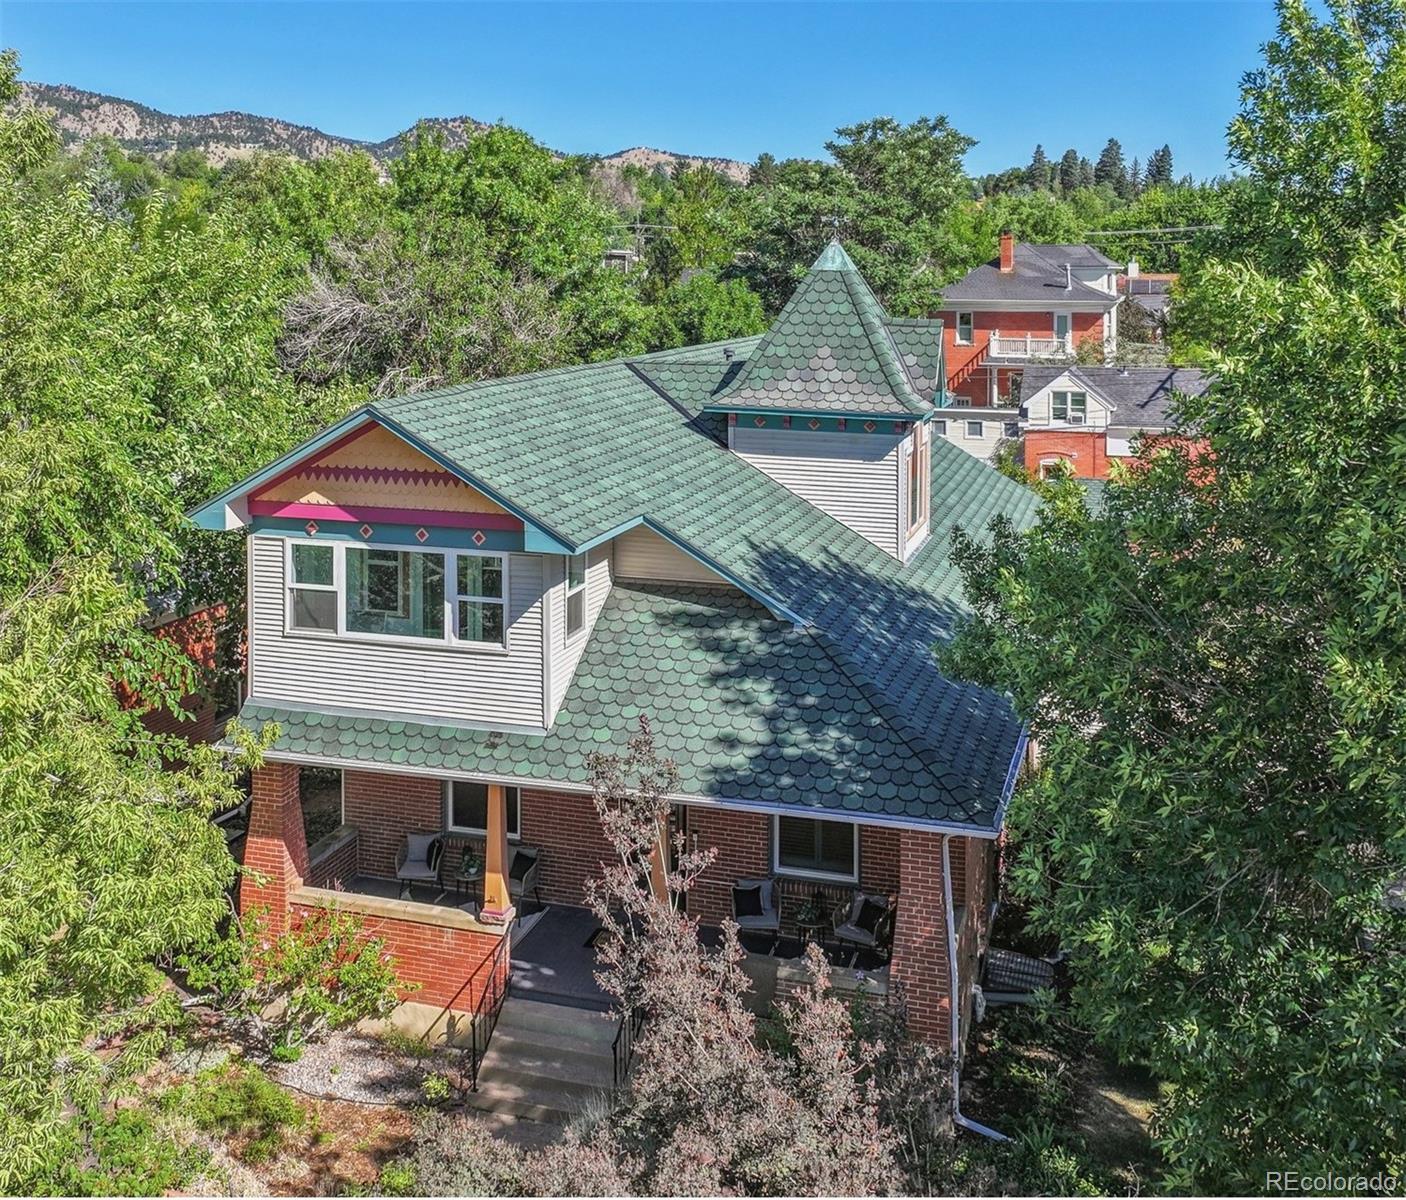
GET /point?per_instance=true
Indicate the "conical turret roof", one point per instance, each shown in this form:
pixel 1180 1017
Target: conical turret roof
pixel 829 352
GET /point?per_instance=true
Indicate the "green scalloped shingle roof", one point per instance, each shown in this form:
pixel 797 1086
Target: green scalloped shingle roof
pixel 829 351
pixel 592 450
pixel 750 708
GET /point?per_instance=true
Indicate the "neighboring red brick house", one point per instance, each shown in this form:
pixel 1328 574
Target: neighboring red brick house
pixel 197 634
pixel 1033 303
pixel 1085 418
pixel 455 597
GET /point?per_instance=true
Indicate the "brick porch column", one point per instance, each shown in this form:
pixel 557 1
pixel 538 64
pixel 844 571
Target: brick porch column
pixel 919 964
pixel 276 846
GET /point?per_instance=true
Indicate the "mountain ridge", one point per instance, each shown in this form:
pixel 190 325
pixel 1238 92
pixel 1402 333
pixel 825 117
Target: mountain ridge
pixel 225 136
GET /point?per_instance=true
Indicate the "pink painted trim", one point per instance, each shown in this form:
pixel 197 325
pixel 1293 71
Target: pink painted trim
pixel 395 516
pixel 302 464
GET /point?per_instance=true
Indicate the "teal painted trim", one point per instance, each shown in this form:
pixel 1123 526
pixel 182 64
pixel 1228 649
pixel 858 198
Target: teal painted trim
pixel 210 515
pixel 854 422
pixel 537 542
pixel 390 535
pixel 761 597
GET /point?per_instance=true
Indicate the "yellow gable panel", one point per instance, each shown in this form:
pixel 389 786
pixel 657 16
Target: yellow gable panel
pixel 377 468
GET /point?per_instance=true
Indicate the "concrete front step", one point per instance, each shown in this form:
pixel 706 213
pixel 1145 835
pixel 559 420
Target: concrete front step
pixel 520 1013
pixel 544 1061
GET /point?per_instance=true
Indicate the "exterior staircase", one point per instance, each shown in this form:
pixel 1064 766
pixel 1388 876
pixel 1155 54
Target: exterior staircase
pixel 545 1060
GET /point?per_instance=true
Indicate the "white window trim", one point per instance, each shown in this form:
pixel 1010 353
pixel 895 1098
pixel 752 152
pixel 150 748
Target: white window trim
pixel 969 435
pixel 290 585
pixel 940 426
pixel 570 591
pixel 957 339
pixel 447 792
pixel 450 640
pixel 918 451
pixel 452 596
pixel 801 873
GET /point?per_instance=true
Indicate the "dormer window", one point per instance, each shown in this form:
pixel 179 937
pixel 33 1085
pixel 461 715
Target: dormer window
pixel 395 592
pixel 575 594
pixel 1072 407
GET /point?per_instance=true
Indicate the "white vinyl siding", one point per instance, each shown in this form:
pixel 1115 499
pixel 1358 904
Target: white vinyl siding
pixel 641 553
pixel 566 651
pixel 489 686
pixel 852 476
pixel 993 431
pixel 1039 406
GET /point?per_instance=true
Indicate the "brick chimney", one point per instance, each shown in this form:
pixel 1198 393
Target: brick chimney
pixel 1007 252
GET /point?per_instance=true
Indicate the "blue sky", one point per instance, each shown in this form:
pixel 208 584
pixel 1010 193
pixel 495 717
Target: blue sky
pixel 701 78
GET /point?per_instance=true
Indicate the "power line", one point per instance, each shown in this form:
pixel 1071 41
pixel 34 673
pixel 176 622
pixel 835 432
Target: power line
pixel 1164 229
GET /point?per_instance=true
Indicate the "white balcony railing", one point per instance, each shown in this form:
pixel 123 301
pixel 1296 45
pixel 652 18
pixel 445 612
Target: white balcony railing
pixel 1026 345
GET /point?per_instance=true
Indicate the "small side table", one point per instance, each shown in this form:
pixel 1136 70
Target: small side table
pixel 813 931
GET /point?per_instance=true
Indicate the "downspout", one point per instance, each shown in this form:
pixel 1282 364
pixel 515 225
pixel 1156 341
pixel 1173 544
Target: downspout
pixel 954 1012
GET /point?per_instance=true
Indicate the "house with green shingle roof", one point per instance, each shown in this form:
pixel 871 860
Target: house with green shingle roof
pixel 457 596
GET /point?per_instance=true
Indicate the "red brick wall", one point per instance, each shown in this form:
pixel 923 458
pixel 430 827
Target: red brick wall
pixel 449 964
pixel 743 843
pixel 566 829
pixel 384 808
pixel 879 859
pixel 919 965
pixel 275 847
pixel 1085 450
pixel 967 378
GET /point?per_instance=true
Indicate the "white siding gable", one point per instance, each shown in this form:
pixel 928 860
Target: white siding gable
pixel 1038 406
pixel 640 553
pixel 852 476
pixel 495 688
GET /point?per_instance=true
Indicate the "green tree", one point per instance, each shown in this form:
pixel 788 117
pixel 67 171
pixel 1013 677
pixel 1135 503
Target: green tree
pixel 1110 168
pixel 703 309
pixel 110 861
pixel 1038 173
pixel 886 196
pixel 1159 168
pixel 1215 669
pixel 1069 171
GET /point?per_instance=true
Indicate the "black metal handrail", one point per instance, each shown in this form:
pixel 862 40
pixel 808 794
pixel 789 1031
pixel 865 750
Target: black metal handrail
pixel 622 1049
pixel 490 1003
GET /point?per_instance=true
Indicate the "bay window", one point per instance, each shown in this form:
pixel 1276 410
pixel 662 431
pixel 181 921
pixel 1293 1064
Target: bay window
pixel 806 846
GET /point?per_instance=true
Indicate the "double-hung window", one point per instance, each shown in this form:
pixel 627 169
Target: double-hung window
pixel 976 429
pixel 804 846
pixel 480 613
pixel 466 807
pixel 1072 407
pixel 575 594
pixel 312 587
pixel 964 329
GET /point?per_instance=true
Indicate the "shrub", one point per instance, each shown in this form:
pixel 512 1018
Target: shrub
pixel 238 1101
pixel 127 1153
pixel 287 988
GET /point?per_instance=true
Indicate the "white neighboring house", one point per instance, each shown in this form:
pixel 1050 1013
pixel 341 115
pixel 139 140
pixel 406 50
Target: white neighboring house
pixel 979 431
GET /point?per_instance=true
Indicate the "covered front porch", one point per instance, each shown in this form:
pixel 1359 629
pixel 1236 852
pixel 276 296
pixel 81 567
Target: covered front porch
pixel 511 863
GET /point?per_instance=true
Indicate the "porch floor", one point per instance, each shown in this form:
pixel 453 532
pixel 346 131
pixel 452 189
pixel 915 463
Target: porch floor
pixel 555 961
